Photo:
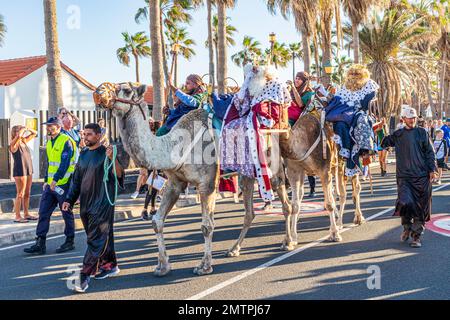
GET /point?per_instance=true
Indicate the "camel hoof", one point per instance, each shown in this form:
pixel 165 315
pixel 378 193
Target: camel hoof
pixel 201 271
pixel 161 272
pixel 335 237
pixel 288 247
pixel 233 253
pixel 359 220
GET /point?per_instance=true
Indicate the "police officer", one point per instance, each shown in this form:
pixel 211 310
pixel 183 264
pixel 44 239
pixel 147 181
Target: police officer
pixel 61 165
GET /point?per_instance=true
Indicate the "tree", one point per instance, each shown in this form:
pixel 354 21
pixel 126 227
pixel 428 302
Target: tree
pixel 357 11
pixel 55 98
pixel 296 52
pixel 172 12
pixel 341 65
pixel 222 6
pixel 135 45
pixel 2 30
pixel 392 64
pixel 157 58
pixel 250 50
pixel 304 12
pixel 280 55
pixel 326 13
pixel 178 37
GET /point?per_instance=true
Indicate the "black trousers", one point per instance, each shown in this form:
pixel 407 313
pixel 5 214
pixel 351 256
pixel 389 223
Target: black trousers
pixel 312 183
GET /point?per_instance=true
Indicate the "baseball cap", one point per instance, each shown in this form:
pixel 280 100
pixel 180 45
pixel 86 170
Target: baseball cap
pixel 53 120
pixel 409 112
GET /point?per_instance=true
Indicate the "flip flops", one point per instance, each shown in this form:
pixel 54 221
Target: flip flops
pixel 21 221
pixel 31 218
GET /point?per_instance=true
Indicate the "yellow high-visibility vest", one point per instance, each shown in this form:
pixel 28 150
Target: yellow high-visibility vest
pixel 54 154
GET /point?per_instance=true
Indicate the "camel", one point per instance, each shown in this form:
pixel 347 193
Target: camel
pixel 126 102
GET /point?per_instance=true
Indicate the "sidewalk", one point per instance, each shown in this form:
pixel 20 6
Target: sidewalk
pixel 12 233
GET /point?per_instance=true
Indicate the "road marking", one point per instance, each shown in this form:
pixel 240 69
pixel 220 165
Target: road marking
pixel 284 257
pixel 81 231
pixel 397 294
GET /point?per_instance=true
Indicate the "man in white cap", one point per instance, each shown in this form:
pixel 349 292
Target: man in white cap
pixel 416 168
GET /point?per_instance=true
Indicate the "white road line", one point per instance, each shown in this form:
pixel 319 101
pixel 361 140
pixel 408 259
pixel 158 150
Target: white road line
pixel 81 231
pixel 284 257
pixel 397 294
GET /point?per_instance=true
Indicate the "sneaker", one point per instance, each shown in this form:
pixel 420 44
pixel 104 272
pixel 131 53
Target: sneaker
pixel 107 273
pixel 134 195
pixel 158 199
pixel 144 215
pixel 439 182
pixel 83 284
pixel 267 206
pixel 416 243
pixel 405 235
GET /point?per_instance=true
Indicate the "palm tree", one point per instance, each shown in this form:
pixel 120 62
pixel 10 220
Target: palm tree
pixel 2 30
pixel 296 52
pixel 157 58
pixel 357 11
pixel 392 65
pixel 212 72
pixel 55 98
pixel 222 6
pixel 250 50
pixel 341 65
pixel 172 12
pixel 178 38
pixel 326 13
pixel 230 30
pixel 279 55
pixel 304 12
pixel 135 45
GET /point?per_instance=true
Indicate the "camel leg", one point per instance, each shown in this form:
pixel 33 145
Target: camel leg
pixel 356 184
pixel 342 187
pixel 296 178
pixel 247 193
pixel 171 196
pixel 208 204
pixel 330 206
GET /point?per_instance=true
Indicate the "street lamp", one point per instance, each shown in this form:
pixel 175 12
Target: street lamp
pixel 272 40
pixel 328 67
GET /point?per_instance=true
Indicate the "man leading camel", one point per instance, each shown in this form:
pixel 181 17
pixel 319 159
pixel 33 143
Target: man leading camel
pixel 416 167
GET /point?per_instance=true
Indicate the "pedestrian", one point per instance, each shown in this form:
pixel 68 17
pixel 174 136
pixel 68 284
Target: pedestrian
pixel 22 170
pixel 446 129
pixel 96 192
pixel 68 128
pixel 105 132
pixel 60 150
pixel 441 149
pixel 380 129
pixel 416 169
pixel 140 182
pixel 312 186
pixel 431 129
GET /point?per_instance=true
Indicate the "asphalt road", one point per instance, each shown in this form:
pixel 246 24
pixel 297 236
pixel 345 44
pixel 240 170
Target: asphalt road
pixel 370 263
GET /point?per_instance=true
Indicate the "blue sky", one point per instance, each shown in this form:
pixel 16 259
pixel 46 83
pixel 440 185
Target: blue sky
pixel 90 49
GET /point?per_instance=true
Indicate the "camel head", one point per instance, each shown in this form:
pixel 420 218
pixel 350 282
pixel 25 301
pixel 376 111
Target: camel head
pixel 119 98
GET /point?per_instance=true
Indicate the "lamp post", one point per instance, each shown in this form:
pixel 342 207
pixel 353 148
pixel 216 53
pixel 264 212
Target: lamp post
pixel 272 40
pixel 174 52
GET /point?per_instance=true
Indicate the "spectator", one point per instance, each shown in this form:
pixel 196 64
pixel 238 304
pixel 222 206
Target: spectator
pixel 63 111
pixel 22 170
pixel 446 129
pixel 69 130
pixel 61 164
pixel 141 181
pixel 441 150
pixel 105 132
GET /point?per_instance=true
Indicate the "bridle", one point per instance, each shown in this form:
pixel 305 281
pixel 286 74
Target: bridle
pixel 106 96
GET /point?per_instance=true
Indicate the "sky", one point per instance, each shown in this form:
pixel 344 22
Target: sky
pixel 90 33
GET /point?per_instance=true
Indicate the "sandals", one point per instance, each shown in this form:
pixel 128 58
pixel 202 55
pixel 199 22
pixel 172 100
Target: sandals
pixel 21 221
pixel 31 218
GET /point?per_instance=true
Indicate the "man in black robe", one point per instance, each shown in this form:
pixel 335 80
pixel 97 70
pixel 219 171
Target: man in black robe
pixel 96 212
pixel 416 168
